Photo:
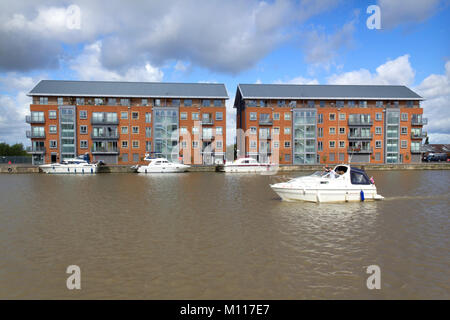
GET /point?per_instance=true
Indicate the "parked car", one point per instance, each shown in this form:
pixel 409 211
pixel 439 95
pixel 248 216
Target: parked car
pixel 436 157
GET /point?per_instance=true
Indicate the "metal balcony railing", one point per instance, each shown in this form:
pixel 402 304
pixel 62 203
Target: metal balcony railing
pixel 360 136
pixel 35 149
pixel 31 119
pixel 360 122
pixel 104 150
pixel 419 135
pixel 265 136
pixel 113 136
pixel 207 121
pixel 104 121
pixel 357 150
pixel 419 122
pixel 35 135
pixel 265 122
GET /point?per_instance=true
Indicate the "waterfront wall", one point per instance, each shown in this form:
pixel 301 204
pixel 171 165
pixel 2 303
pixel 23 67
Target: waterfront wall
pixel 10 169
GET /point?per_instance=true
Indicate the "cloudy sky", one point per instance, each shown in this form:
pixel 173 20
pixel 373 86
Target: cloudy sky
pixel 231 42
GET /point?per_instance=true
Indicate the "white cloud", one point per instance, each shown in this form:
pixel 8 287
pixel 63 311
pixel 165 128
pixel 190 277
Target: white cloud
pixel 398 71
pixel 88 67
pixel 396 12
pixel 436 90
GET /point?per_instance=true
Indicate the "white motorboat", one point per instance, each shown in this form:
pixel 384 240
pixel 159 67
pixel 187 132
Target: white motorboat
pixel 343 183
pixel 161 165
pixel 71 166
pixel 247 165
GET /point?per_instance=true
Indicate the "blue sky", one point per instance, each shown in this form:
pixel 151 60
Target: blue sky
pixel 229 42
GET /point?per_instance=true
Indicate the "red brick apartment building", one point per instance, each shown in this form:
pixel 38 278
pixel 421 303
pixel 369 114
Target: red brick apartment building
pixel 307 124
pixel 120 122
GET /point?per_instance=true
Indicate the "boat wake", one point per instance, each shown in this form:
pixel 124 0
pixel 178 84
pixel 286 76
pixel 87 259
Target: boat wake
pixel 418 197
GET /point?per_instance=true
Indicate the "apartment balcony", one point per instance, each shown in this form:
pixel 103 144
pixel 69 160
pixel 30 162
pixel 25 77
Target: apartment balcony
pixel 419 136
pixel 360 136
pixel 104 121
pixel 97 150
pixel 359 122
pixel 208 122
pixel 31 119
pixel 265 122
pixel 35 135
pixel 419 122
pixel 36 150
pixel 105 136
pixel 265 136
pixel 358 150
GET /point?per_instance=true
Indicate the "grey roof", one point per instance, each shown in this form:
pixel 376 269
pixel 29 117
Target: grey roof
pixel 317 91
pixel 129 89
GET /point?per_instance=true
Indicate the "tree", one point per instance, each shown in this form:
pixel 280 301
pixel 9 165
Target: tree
pixel 14 150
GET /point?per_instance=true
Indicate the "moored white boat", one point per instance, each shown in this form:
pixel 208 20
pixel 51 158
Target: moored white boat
pixel 70 166
pixel 342 184
pixel 161 165
pixel 247 165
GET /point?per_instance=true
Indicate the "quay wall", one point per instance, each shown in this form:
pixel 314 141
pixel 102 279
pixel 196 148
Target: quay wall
pixel 17 168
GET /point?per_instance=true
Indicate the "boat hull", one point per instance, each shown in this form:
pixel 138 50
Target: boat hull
pixel 148 169
pixel 324 195
pixel 89 169
pixel 246 169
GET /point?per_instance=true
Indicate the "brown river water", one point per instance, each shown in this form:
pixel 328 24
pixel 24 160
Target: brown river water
pixel 220 236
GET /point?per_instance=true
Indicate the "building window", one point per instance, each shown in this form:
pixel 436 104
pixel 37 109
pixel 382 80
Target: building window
pixel 195 130
pixel 112 101
pixel 98 101
pixel 53 144
pixel 396 104
pixel 135 129
pixel 83 114
pixel 43 100
pixel 52 114
pixel 377 156
pixel 83 129
pixel 124 130
pixel 206 103
pixel 311 104
pixel 124 115
pixel 293 104
pixel 183 115
pixel 332 116
pixel 135 157
pixel 262 103
pixel 176 102
pixel 148 146
pixel 79 101
pixel 219 115
pixel 331 156
pixel 252 116
pixel 287 157
pixel 276 116
pixel 281 103
pixel 404 117
pixel 125 144
pixel 351 104
pixel 320 132
pixel 322 104
pixel 124 157
pixel 183 144
pixel 341 116
pixel 319 146
pixel 409 104
pixel 332 130
pixel 404 130
pixel 341 130
pixel 287 130
pixel 378 116
pixel 320 118
pixel 135 144
pixel 148 117
pixel 218 103
pixel 60 101
pixel 195 116
pixel 219 144
pixel 195 144
pixel 378 130
pixel 157 102
pixel 148 132
pixel 404 144
pixel 52 129
pixel 219 131
pixel 287 116
pixel 379 104
pixel 332 144
pixel 276 144
pixel 276 130
pixel 135 115
pixel 83 144
pixel 187 103
pixel 144 102
pixel 340 103
pixel 341 144
pixel 378 144
pixel 183 130
pixel 363 104
pixel 287 144
pixel 253 144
